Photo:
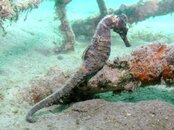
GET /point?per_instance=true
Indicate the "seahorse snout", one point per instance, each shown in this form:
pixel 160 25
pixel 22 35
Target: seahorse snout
pixel 122 29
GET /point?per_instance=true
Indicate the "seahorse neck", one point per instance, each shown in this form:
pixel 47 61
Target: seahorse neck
pixel 102 32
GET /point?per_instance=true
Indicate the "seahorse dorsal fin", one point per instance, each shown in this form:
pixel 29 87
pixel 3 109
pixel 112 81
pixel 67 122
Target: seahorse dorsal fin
pixel 85 52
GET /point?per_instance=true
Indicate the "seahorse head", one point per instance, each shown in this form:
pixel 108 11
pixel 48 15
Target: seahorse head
pixel 121 28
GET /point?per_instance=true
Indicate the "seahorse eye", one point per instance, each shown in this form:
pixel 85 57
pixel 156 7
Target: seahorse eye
pixel 124 17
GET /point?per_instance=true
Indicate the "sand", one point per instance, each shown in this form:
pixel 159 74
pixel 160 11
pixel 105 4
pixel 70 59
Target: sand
pixel 26 54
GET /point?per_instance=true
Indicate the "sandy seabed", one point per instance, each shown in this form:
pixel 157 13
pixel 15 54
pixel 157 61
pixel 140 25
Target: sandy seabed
pixel 26 54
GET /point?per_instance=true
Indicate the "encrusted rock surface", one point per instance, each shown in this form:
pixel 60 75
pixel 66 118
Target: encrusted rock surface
pixel 148 64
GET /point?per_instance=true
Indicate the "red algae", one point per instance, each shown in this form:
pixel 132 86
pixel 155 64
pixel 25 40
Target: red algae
pixel 152 62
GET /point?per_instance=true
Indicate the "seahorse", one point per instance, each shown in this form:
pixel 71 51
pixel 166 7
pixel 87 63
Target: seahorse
pixel 94 59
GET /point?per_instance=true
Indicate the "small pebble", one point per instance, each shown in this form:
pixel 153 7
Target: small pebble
pixel 15 111
pixel 60 57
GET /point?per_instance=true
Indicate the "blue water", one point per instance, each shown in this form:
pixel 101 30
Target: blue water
pixel 78 9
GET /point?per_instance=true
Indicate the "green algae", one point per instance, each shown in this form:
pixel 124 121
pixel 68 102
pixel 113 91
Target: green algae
pixel 141 94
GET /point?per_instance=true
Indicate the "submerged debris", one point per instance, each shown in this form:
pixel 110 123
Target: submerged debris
pixel 148 64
